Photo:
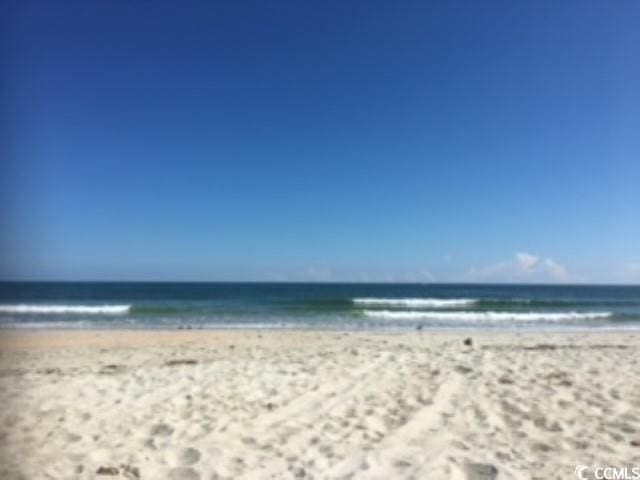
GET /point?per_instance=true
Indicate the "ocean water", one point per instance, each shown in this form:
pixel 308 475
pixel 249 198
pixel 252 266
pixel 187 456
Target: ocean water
pixel 33 305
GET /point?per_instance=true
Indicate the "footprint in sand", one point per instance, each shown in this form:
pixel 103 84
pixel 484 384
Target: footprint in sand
pixel 162 429
pixel 480 471
pixel 184 457
pixel 183 473
pixel 160 434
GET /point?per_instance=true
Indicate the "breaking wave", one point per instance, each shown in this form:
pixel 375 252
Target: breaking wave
pixel 416 302
pixel 487 316
pixel 66 309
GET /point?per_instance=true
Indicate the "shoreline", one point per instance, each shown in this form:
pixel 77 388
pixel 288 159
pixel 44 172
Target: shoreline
pixel 11 338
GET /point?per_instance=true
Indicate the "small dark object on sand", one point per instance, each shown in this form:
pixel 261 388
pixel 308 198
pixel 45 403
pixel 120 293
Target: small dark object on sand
pixel 635 442
pixel 269 406
pixel 173 363
pixel 505 381
pixel 468 342
pixel 107 471
pixel 110 369
pixel 463 369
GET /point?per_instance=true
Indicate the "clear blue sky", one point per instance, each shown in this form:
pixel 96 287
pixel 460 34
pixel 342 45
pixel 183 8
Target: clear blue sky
pixel 398 141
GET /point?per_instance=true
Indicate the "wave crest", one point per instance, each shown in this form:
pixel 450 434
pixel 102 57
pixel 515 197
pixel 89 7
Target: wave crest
pixel 416 302
pixel 487 316
pixel 66 309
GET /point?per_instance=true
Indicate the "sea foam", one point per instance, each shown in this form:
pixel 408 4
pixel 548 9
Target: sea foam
pixel 65 309
pixel 487 316
pixel 416 302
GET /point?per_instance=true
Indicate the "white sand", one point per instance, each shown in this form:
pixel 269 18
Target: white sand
pixel 316 405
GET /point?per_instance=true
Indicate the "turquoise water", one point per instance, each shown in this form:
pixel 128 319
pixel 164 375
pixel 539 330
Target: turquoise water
pixel 332 306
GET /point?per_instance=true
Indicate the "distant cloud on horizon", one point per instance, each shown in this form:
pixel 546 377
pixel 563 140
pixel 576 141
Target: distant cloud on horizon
pixel 524 267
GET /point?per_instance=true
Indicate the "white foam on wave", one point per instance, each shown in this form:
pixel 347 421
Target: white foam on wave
pixel 51 326
pixel 487 316
pixel 416 302
pixel 66 309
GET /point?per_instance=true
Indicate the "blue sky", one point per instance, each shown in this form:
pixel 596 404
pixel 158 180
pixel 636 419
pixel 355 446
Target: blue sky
pixel 377 141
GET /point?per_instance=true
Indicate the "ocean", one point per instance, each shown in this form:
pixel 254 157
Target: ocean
pixel 154 305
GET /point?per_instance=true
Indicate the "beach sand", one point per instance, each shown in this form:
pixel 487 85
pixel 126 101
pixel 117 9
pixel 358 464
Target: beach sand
pixel 303 404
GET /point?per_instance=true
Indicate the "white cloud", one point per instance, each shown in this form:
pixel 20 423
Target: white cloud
pixel 524 267
pixel 556 270
pixel 526 261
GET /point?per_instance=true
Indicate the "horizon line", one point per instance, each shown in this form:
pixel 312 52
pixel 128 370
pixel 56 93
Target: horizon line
pixel 335 282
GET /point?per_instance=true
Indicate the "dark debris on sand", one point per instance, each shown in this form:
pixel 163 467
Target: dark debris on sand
pixel 108 471
pixel 184 361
